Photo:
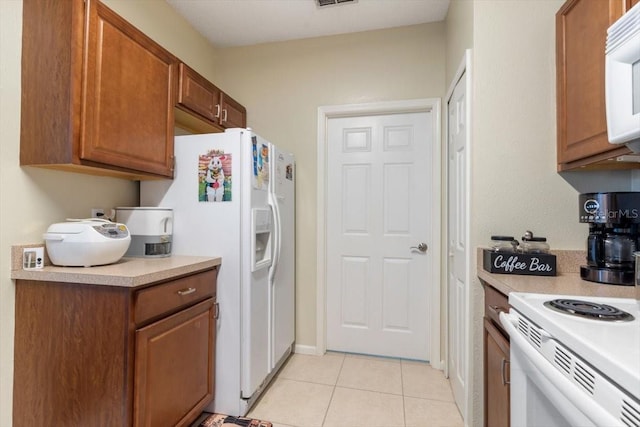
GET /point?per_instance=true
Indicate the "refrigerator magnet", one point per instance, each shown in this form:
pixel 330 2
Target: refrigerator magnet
pixel 261 165
pixel 214 177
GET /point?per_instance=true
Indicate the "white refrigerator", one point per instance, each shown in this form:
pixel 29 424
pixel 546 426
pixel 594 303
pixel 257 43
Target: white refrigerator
pixel 233 196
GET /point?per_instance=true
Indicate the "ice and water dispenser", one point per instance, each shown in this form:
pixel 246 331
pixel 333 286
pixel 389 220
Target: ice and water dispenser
pixel 261 231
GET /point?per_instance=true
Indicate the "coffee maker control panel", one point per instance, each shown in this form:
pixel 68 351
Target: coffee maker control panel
pixel 610 208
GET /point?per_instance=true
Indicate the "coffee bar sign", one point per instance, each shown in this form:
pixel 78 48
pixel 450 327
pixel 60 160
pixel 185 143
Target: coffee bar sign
pixel 517 263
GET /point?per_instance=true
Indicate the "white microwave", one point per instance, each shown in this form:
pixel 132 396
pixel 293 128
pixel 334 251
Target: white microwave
pixel 622 82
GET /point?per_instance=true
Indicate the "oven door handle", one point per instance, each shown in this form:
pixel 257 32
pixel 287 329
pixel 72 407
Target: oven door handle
pixel 559 383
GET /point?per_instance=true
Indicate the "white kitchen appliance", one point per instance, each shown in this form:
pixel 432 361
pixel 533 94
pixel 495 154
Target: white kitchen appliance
pixel 88 242
pixel 622 82
pixel 233 197
pixel 575 360
pixel 151 230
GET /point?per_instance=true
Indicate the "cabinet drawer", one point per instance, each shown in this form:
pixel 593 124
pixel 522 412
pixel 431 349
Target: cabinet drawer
pixel 495 302
pixel 156 300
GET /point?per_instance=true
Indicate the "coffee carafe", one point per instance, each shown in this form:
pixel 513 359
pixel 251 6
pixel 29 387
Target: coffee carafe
pixel 614 221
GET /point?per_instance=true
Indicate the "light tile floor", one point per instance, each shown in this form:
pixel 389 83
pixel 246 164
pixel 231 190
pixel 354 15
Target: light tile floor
pixel 345 390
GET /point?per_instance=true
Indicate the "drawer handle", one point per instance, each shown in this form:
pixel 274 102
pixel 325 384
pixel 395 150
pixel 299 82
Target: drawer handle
pixel 216 313
pixel 187 291
pixel 505 362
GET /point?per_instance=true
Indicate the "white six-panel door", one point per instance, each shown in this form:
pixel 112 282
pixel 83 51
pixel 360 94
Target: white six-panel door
pixel 379 191
pixel 458 245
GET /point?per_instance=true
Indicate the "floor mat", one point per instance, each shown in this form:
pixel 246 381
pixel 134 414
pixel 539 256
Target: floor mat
pixel 221 420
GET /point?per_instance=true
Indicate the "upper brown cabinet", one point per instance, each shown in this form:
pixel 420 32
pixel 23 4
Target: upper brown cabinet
pixel 202 99
pixel 198 95
pixel 98 95
pixel 581 32
pixel 234 115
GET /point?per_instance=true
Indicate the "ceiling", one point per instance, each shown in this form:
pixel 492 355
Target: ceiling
pixel 227 23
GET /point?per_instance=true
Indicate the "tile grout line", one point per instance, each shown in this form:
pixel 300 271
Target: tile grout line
pixel 342 369
pixel 404 409
pixel 326 412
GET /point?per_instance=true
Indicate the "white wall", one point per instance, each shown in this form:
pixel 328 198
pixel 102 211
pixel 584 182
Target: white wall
pixel 459 33
pixel 30 198
pixel 283 84
pixel 515 186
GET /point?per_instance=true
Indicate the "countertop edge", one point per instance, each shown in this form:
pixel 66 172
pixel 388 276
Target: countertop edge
pixel 569 284
pixel 128 272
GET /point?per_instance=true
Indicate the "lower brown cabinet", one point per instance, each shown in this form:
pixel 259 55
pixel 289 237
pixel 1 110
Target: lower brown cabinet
pixel 91 355
pixel 496 362
pixel 172 372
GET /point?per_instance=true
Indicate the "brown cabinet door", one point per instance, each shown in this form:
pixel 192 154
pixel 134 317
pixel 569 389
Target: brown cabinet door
pixel 174 360
pixel 198 95
pixel 70 355
pixel 497 375
pixel 234 115
pixel 129 96
pixel 581 33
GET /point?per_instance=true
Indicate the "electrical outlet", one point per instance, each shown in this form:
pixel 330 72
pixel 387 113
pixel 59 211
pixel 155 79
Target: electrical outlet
pixel 97 213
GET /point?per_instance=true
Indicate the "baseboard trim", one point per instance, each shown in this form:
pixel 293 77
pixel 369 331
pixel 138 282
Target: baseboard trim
pixel 305 349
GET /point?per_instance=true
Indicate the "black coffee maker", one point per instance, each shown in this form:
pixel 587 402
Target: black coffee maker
pixel 614 221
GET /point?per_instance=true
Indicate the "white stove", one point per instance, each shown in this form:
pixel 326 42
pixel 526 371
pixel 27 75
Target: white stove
pixel 569 369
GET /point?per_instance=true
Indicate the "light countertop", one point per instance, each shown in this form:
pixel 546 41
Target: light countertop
pixel 128 272
pixel 567 282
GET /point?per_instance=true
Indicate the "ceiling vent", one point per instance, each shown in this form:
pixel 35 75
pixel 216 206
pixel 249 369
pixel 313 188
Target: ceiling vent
pixel 323 3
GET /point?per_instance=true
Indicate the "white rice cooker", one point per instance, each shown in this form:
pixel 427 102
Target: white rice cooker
pixel 86 242
pixel 151 230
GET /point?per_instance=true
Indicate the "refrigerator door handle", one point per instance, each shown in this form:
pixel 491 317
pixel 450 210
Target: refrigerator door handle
pixel 276 234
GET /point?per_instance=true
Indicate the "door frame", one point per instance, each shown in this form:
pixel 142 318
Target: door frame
pixel 464 69
pixel 432 105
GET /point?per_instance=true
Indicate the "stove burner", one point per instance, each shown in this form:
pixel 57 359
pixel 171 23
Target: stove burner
pixel 589 310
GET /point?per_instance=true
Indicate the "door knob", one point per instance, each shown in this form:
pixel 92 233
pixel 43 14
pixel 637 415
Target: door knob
pixel 422 247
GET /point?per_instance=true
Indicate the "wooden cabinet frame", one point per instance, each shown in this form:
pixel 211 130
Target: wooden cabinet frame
pixel 130 81
pixel 203 101
pixel 497 406
pixel 496 377
pixel 581 30
pixel 88 355
pixel 100 97
pixel 168 388
pixel 97 94
pixel 198 95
